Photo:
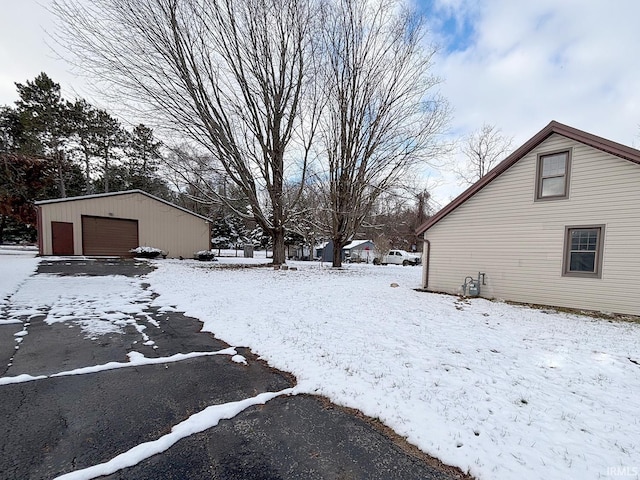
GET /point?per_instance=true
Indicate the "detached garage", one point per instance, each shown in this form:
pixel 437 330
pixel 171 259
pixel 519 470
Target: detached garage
pixel 112 224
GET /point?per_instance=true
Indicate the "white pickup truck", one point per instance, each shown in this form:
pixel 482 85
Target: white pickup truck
pixel 399 257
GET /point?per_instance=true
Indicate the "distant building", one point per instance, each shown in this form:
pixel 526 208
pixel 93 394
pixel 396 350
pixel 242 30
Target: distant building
pixel 356 250
pixel 360 251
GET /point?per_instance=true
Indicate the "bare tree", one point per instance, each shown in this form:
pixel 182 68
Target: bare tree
pixel 309 220
pixel 197 175
pixel 382 116
pixel 484 149
pixel 230 75
pixel 396 216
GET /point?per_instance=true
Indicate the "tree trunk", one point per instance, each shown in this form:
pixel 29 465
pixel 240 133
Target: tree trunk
pixel 106 172
pixel 337 252
pixel 62 188
pixel 87 172
pixel 278 246
pixel 3 224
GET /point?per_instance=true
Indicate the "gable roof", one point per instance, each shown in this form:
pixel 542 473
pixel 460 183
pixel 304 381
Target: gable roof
pixel 113 194
pixel 355 244
pixel 589 139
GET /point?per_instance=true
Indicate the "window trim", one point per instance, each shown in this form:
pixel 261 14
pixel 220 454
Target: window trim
pixel 567 251
pixel 567 175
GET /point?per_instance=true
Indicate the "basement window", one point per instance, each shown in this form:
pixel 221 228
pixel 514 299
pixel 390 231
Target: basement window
pixel 553 175
pixel 583 251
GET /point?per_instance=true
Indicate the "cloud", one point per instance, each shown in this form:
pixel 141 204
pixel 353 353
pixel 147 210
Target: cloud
pixel 517 64
pixel 526 63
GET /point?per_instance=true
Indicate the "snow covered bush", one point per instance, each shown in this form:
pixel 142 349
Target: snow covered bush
pixel 205 255
pixel 146 252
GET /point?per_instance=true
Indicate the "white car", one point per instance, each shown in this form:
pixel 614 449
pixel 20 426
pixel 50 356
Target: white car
pixel 399 257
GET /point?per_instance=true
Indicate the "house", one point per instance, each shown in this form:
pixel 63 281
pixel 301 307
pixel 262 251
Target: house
pixel 359 251
pixel 355 247
pixel 556 223
pixel 111 224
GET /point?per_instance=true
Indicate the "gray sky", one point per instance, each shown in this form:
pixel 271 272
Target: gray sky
pixel 517 64
pixel 24 50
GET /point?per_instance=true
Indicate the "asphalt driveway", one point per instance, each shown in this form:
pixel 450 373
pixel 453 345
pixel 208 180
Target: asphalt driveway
pixel 52 425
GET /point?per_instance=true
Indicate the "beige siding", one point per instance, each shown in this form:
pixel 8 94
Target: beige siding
pixel 519 243
pixel 159 225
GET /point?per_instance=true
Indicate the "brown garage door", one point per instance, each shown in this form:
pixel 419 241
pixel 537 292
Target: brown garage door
pixel 108 236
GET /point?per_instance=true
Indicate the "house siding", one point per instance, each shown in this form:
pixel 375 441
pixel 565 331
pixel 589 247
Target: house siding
pixel 519 242
pixel 160 225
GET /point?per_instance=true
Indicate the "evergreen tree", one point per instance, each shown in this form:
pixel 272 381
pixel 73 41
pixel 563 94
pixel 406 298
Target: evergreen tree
pixel 259 238
pixel 239 234
pixel 11 130
pixel 221 232
pixel 109 139
pixel 23 180
pixel 144 156
pixel 43 116
pixel 143 152
pixel 82 123
pixel 84 149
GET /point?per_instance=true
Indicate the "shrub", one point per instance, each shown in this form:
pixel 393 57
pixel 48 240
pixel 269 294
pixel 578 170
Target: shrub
pixel 146 252
pixel 205 256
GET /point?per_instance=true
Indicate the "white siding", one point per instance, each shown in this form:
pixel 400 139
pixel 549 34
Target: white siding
pixel 159 225
pixel 519 243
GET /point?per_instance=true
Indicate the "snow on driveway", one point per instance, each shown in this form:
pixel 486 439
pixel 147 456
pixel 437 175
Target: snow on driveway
pixel 500 391
pixel 16 264
pixel 98 304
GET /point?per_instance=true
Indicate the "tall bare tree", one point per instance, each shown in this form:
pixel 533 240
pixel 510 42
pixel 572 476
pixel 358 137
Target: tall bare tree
pixel 483 149
pixel 228 74
pixel 383 117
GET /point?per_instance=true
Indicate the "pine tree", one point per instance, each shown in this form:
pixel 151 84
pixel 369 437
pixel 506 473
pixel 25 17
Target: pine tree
pixel 109 138
pixel 43 116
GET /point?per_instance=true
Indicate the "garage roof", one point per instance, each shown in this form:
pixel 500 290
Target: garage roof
pixel 112 194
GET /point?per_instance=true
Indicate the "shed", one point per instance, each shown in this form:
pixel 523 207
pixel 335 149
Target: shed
pixel 360 250
pixel 111 224
pixel 318 250
pixel 355 247
pixel 556 223
pixel 327 252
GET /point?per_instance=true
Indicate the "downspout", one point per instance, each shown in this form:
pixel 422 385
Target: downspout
pixel 426 263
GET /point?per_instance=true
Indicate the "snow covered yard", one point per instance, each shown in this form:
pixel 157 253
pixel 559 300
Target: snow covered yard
pixel 500 391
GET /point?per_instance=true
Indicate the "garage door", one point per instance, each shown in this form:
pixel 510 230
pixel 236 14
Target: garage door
pixel 108 236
